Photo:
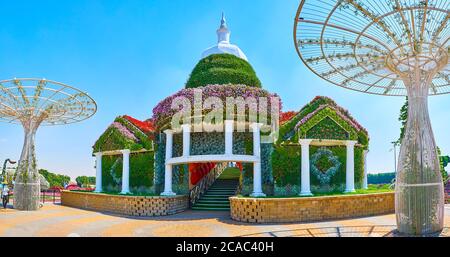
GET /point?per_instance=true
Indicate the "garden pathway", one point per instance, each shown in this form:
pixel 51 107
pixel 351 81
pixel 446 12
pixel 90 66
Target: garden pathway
pixel 56 220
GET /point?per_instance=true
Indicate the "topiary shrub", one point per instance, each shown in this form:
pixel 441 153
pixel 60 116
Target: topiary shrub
pixel 223 69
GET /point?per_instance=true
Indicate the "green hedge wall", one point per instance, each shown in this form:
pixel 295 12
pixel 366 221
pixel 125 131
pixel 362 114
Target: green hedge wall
pixel 286 165
pixel 112 173
pixel 207 143
pixel 141 173
pixel 113 139
pixel 223 69
pixel 160 157
pixel 327 129
pixel 287 131
pixel 180 179
pixel 266 167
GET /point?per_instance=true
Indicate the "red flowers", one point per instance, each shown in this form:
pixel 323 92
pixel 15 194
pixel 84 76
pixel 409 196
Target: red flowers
pixel 145 126
pixel 286 116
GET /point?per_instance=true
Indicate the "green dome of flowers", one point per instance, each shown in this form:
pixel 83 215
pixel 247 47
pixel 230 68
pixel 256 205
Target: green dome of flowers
pixel 223 69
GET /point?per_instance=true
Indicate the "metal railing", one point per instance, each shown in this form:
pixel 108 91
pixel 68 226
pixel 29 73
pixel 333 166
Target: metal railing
pixel 205 183
pixel 50 196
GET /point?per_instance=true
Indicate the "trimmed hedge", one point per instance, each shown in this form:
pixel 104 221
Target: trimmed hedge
pixel 223 69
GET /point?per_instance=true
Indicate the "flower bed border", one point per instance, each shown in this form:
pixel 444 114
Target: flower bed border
pixel 126 204
pixel 302 209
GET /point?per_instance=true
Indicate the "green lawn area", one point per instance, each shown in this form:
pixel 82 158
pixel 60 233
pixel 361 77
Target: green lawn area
pixel 230 173
pixel 373 189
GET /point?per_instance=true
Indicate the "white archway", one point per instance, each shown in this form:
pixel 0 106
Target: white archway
pixel 228 156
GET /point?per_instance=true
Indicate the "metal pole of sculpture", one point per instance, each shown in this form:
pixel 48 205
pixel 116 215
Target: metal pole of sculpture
pixel 388 47
pixel 32 103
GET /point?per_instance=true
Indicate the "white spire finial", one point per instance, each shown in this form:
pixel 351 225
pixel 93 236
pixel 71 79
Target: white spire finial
pixel 224 46
pixel 223 22
pixel 223 33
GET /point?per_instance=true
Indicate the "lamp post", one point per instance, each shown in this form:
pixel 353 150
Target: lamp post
pixel 388 47
pixel 32 103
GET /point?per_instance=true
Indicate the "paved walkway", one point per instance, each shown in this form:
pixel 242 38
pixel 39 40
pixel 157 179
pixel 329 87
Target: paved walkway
pixel 61 221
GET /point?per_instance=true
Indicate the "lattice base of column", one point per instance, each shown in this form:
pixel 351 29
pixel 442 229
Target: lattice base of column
pixel 26 196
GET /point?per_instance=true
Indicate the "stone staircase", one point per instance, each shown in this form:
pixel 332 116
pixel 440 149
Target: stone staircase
pixel 216 198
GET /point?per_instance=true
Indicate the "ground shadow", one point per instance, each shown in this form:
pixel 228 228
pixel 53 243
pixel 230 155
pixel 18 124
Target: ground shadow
pixel 343 231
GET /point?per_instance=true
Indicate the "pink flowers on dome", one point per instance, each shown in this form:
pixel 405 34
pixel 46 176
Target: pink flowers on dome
pixel 164 111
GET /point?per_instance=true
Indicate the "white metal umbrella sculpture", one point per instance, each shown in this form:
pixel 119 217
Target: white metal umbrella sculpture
pixel 32 103
pixel 388 47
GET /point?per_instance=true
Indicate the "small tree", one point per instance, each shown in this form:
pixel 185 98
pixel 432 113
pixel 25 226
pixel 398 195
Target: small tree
pixel 443 161
pixel 84 181
pixel 403 118
pixel 54 179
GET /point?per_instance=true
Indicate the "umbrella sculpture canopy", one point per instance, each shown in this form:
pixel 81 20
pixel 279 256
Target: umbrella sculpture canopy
pixel 371 45
pixel 32 103
pixel 44 102
pixel 388 47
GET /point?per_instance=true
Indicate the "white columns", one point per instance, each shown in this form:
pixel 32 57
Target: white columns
pixel 365 184
pixel 229 127
pixel 168 172
pixel 98 175
pixel 126 172
pixel 350 170
pixel 186 139
pixel 305 171
pixel 257 178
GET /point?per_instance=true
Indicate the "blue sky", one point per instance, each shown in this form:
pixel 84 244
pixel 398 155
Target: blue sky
pixel 129 55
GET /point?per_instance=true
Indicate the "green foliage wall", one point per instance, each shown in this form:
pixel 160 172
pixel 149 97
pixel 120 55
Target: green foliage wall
pixel 266 168
pixel 207 143
pixel 223 69
pixel 180 173
pixel 287 132
pixel 141 173
pixel 180 179
pixel 160 156
pixel 327 129
pixel 286 165
pixel 114 139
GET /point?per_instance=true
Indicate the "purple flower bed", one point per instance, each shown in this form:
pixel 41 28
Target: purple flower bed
pixel 163 111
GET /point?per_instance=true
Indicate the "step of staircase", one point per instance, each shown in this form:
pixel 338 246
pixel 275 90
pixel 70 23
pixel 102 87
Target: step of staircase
pixel 217 196
pixel 210 209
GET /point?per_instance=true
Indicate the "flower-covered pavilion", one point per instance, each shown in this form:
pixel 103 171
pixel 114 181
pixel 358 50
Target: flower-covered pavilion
pixel 320 148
